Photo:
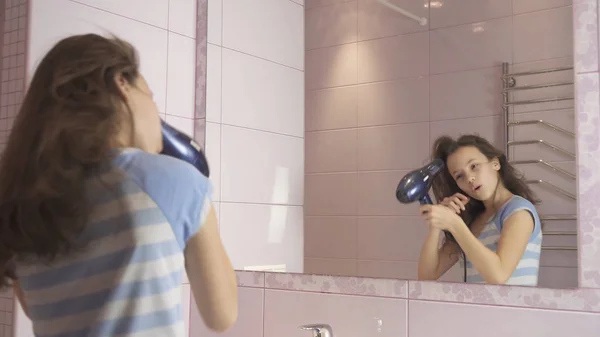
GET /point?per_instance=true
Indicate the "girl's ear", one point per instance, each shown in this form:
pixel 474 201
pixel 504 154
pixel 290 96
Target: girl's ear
pixel 496 164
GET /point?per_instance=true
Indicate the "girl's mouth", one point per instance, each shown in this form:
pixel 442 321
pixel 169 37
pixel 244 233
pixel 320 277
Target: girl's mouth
pixel 477 188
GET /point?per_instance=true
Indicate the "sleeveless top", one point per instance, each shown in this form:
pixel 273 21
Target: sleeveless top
pixel 127 279
pixel 526 273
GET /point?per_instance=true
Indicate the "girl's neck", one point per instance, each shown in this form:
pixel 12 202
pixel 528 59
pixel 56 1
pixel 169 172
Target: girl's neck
pixel 499 198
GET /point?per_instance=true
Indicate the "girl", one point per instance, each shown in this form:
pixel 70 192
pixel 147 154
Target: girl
pixel 96 227
pixel 487 213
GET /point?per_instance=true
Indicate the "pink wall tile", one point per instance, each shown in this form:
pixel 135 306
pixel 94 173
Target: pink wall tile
pixel 329 266
pixel 285 311
pixel 331 108
pixel 331 194
pixel 487 127
pixel 457 12
pixel 331 151
pixel 393 102
pixel 396 147
pixel 480 88
pixel 558 277
pixel 472 46
pixel 318 232
pixel 531 32
pixel 523 6
pixel 391 238
pixel 392 58
pixel 330 25
pixel 389 269
pixel 467 320
pixel 377 195
pixel 331 67
pixel 376 20
pixel 250 316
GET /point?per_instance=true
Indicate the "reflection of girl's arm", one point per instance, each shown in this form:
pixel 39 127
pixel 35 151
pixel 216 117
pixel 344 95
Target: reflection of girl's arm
pixel 497 267
pixel 434 262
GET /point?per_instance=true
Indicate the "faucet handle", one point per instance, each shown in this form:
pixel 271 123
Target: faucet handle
pixel 319 330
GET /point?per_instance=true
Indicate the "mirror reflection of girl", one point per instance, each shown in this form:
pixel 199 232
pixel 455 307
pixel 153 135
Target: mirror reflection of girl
pixel 486 211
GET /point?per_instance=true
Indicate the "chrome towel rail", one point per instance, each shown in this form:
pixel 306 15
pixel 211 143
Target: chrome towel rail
pixel 543 142
pixel 552 186
pixel 542 162
pixel 544 123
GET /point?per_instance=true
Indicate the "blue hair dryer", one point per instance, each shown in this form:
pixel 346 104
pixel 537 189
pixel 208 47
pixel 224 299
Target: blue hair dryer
pixel 415 185
pixel 179 145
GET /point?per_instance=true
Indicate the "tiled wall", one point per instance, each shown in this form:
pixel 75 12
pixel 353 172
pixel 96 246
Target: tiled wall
pixel 255 128
pixel 273 305
pixel 381 88
pixel 13 19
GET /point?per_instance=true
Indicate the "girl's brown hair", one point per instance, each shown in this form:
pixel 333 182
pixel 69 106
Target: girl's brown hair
pixel 444 185
pixel 64 132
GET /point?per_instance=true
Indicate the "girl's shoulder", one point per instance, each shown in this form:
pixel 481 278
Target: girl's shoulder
pixel 516 204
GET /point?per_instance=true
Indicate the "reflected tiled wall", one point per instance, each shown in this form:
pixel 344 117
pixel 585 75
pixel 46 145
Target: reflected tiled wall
pixel 255 128
pixel 381 89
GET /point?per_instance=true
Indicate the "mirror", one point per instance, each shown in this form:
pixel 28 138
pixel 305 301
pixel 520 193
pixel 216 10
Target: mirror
pixel 380 88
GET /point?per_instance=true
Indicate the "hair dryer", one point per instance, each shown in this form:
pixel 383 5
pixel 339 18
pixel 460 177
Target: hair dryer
pixel 415 185
pixel 181 146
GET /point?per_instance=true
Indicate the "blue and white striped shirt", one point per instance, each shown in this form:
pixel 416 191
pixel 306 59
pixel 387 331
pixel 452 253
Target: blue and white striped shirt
pixel 526 273
pixel 127 280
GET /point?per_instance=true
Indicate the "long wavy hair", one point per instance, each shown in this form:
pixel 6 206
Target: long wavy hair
pixel 444 184
pixel 65 131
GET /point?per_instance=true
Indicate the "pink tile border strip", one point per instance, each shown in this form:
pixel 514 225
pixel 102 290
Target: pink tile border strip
pixel 541 298
pixel 585 30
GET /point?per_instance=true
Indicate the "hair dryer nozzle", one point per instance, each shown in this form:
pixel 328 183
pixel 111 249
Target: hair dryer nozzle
pixel 179 145
pixel 415 185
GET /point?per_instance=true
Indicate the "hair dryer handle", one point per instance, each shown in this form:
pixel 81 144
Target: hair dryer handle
pixel 425 200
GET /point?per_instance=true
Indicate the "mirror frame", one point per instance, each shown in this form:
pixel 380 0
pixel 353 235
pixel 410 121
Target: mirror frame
pixel 587 127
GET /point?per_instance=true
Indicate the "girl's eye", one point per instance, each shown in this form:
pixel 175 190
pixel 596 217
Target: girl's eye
pixel 458 177
pixel 474 166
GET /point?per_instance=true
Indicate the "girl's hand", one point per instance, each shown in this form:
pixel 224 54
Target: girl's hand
pixel 457 202
pixel 440 217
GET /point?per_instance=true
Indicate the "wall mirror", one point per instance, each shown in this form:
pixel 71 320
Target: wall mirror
pixel 382 80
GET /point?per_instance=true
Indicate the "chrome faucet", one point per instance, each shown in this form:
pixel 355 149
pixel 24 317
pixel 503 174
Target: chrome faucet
pixel 319 330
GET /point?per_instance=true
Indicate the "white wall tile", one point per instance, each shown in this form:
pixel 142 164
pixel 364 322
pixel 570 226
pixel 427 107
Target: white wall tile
pixel 182 17
pixel 213 83
pixel 261 167
pixel 181 77
pixel 263 235
pixel 155 14
pixel 57 19
pixel 271 29
pixel 268 96
pixel 213 155
pixel 215 21
pixel 185 125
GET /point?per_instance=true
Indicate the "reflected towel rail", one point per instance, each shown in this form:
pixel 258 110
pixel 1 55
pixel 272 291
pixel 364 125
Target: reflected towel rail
pixel 543 142
pixel 536 101
pixel 558 248
pixel 536 72
pixel 542 162
pixel 559 233
pixel 537 86
pixel 558 217
pixel 544 123
pixel 552 186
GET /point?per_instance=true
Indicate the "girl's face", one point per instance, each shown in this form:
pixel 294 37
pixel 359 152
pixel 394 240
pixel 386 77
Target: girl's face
pixel 473 172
